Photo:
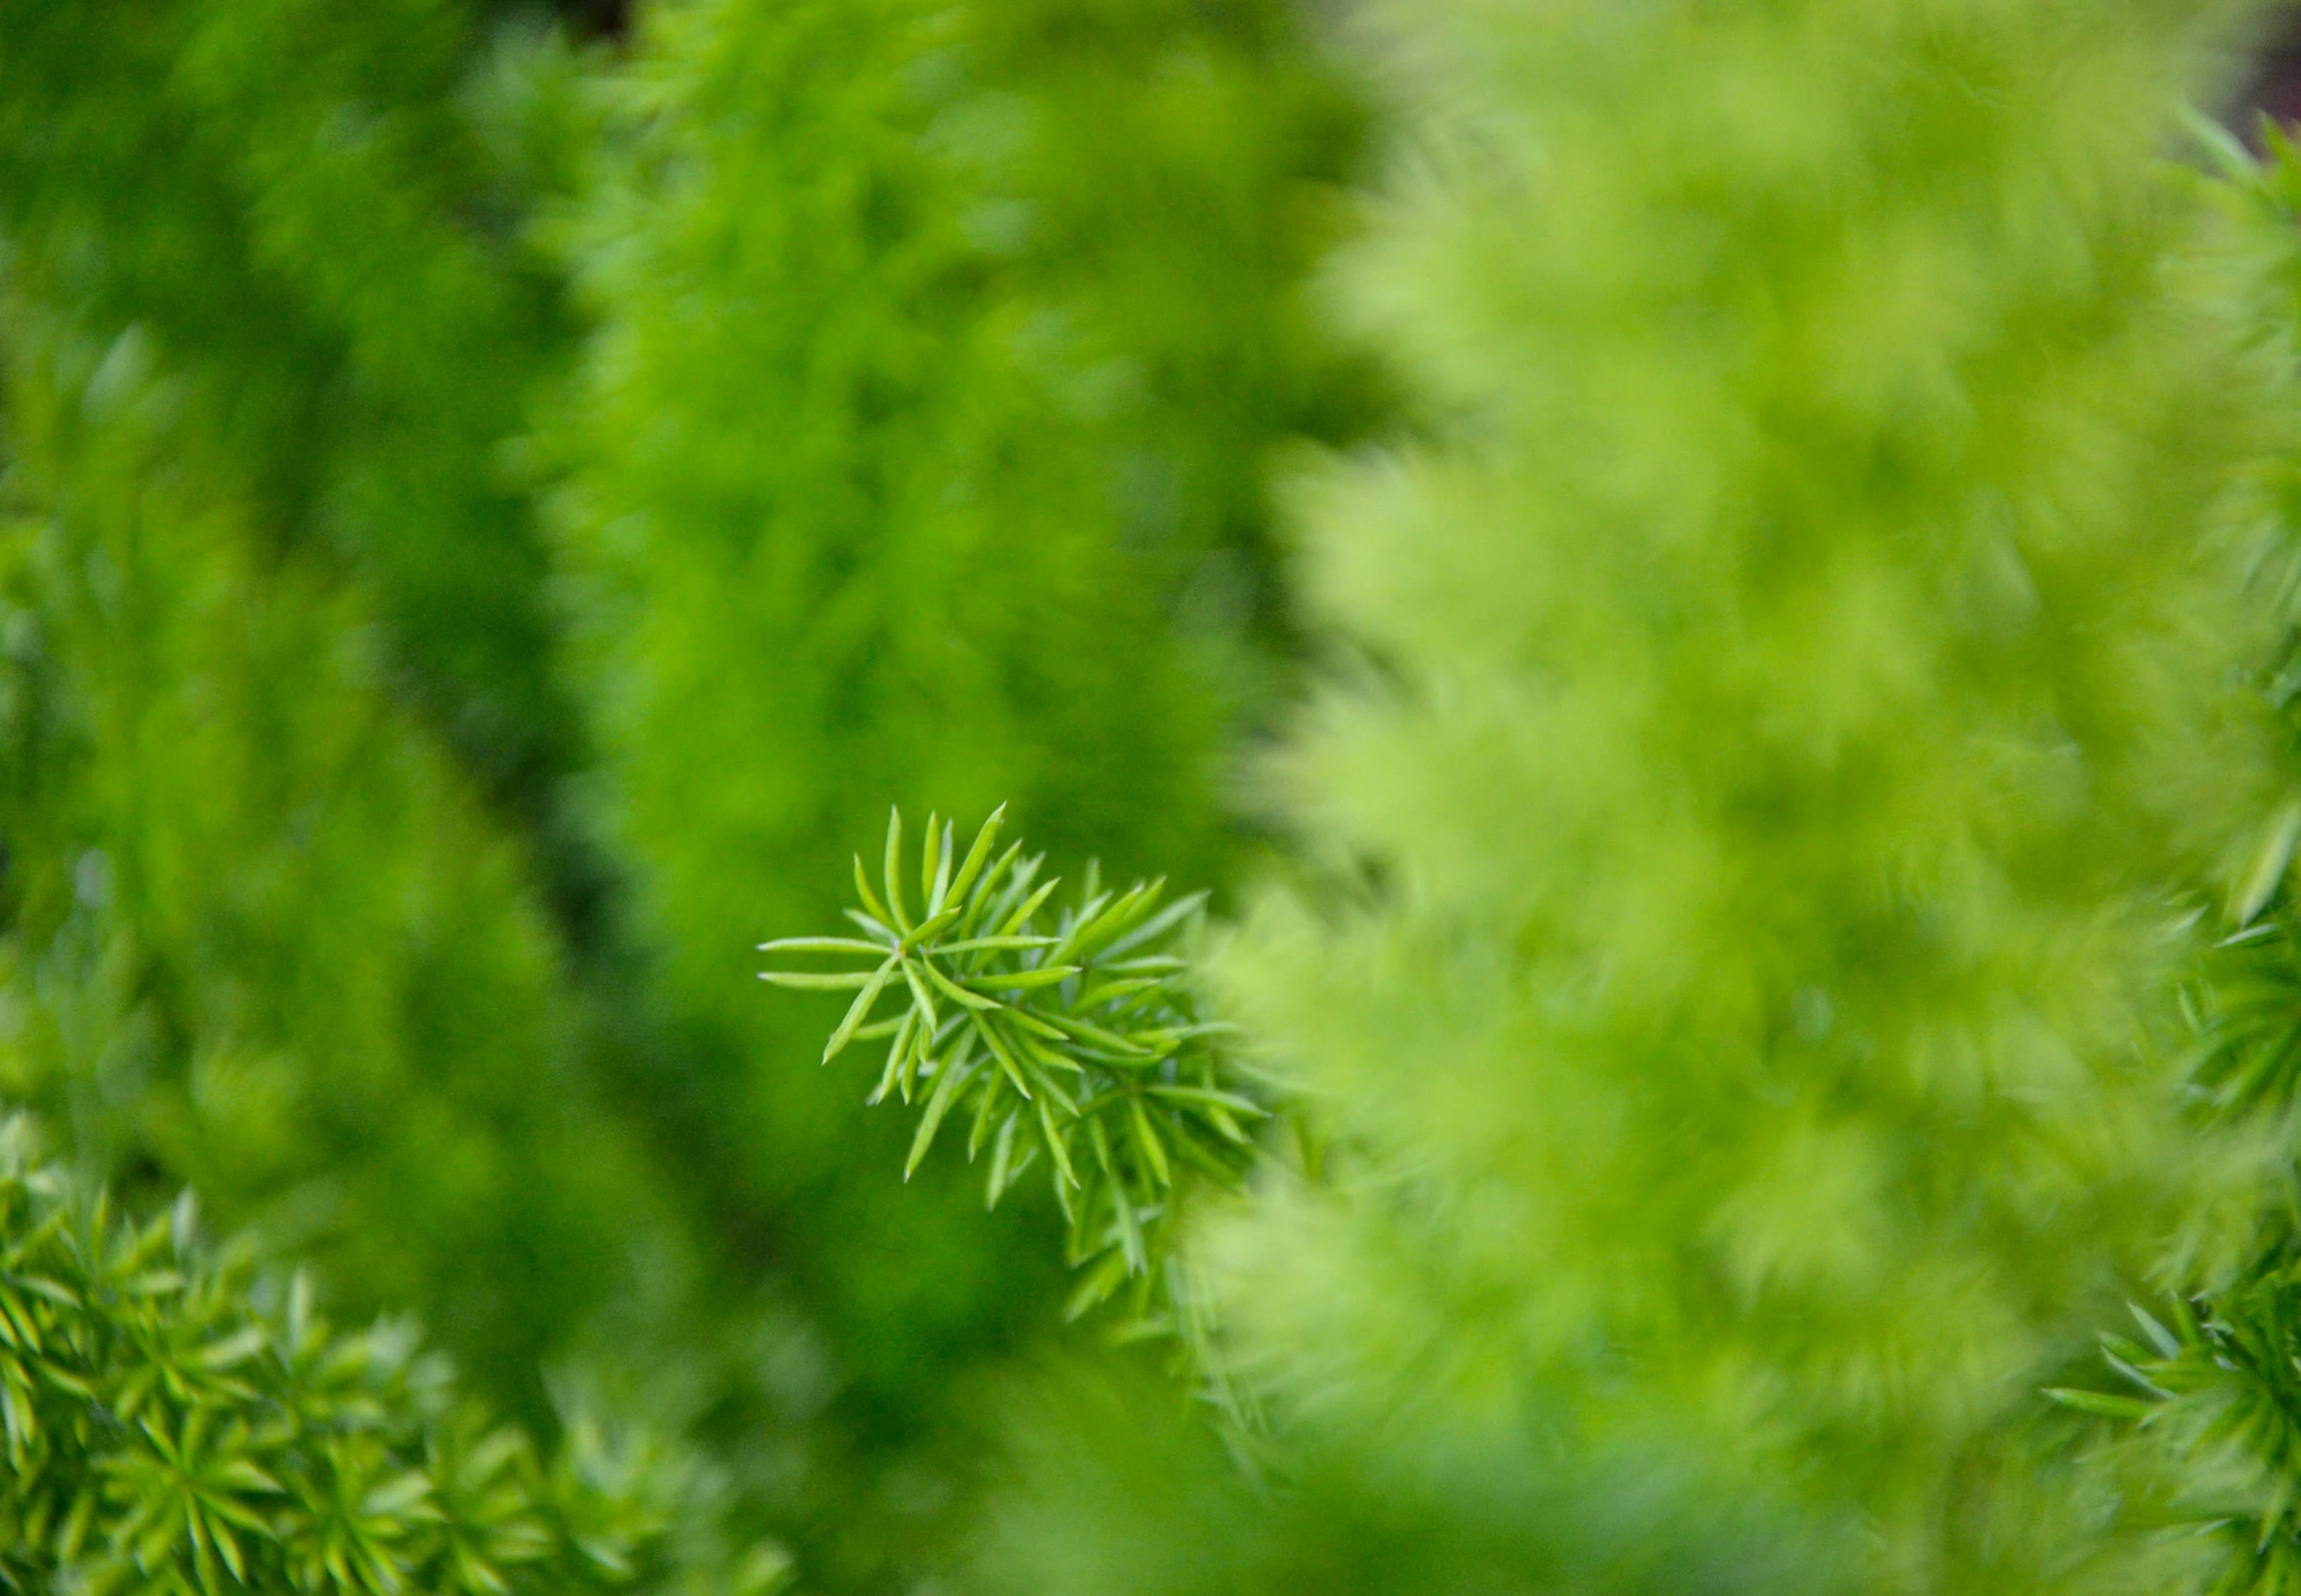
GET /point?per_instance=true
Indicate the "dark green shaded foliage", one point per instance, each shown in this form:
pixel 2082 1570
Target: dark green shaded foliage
pixel 261 937
pixel 1165 176
pixel 311 211
pixel 178 1420
pixel 264 935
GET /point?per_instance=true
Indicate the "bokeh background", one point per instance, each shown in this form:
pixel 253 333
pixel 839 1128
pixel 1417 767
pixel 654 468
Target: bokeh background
pixel 497 503
pixel 494 504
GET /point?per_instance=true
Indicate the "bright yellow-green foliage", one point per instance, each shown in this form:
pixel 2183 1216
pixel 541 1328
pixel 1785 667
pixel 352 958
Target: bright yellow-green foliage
pixel 2226 1358
pixel 1807 700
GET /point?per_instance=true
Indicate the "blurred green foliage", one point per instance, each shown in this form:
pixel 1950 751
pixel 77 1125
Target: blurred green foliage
pixel 1765 821
pixel 313 213
pixel 1801 743
pixel 875 484
pixel 1167 1512
pixel 378 830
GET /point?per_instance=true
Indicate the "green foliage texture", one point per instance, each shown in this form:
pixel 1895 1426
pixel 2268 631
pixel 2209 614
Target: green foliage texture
pixel 2208 1375
pixel 878 486
pixel 916 452
pixel 1079 1034
pixel 379 818
pixel 1755 930
pixel 309 210
pixel 266 930
pixel 1806 719
pixel 1808 696
pixel 262 939
pixel 178 1420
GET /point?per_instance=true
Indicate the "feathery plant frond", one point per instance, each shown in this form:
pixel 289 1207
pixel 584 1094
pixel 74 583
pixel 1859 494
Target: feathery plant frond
pixel 1069 1032
pixel 178 1422
pixel 2217 1378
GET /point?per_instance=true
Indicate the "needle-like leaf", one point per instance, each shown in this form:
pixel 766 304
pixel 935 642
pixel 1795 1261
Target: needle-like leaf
pixel 1081 1036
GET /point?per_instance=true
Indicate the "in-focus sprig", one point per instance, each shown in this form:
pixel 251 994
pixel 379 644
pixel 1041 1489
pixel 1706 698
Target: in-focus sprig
pixel 1069 1034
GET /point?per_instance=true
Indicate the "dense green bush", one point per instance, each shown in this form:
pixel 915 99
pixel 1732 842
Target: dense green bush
pixel 269 326
pixel 310 213
pixel 261 937
pixel 1813 697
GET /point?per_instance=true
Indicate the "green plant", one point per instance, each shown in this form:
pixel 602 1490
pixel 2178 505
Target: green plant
pixel 2208 1391
pixel 1078 1031
pixel 293 906
pixel 1805 730
pixel 935 354
pixel 179 1421
pixel 311 216
pixel 260 937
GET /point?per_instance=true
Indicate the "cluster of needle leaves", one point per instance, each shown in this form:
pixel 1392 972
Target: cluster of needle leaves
pixel 179 1423
pixel 1068 1034
pixel 2219 1376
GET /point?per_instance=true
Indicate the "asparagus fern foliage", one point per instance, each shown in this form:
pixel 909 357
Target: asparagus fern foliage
pixel 174 1421
pixel 2215 1375
pixel 1067 1033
